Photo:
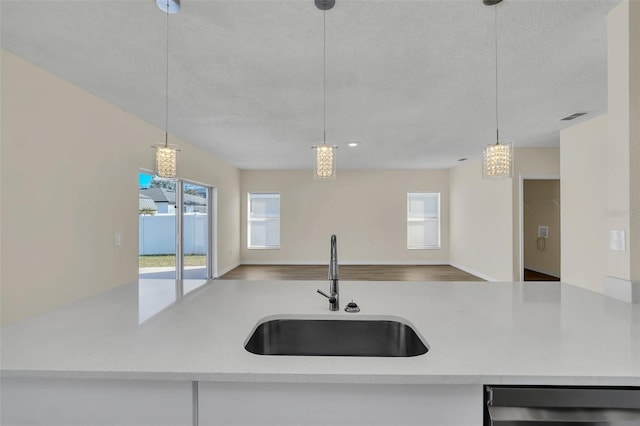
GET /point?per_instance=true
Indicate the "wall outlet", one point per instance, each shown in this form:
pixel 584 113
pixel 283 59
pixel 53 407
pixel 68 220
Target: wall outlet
pixel 117 239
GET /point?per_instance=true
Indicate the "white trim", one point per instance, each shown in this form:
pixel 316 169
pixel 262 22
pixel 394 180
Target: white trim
pixel 346 262
pixel 213 230
pixel 229 269
pixel 476 273
pixel 212 223
pixel 625 290
pixel 522 177
pixel 541 271
pixel 179 213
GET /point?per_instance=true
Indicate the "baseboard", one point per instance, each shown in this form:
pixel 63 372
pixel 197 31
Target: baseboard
pixel 347 262
pixel 542 271
pixel 625 290
pixel 224 271
pixel 473 272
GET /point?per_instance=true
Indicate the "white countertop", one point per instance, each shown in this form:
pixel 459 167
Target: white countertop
pixel 477 333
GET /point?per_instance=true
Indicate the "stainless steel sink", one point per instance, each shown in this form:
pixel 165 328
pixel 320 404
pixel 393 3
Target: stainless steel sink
pixel 335 337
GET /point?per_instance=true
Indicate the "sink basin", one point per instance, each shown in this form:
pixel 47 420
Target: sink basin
pixel 335 337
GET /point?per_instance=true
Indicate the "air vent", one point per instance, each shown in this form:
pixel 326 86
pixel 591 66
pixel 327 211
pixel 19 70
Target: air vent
pixel 572 116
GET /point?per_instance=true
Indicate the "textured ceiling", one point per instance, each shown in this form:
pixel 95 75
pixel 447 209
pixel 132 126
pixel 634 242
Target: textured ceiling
pixel 412 81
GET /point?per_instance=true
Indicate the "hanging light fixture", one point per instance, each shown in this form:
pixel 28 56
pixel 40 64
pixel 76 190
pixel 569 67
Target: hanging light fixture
pixel 325 154
pixel 497 158
pixel 166 154
pixel 171 6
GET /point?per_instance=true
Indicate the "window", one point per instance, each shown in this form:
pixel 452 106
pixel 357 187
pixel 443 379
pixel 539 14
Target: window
pixel 423 220
pixel 263 224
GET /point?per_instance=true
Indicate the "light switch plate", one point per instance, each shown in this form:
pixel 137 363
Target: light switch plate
pixel 617 240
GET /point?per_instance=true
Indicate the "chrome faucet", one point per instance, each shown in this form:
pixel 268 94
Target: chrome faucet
pixel 334 303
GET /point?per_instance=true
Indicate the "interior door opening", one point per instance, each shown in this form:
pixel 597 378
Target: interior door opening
pixel 541 230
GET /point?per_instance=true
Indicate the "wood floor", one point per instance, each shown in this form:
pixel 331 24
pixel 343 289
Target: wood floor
pixel 530 275
pixel 350 273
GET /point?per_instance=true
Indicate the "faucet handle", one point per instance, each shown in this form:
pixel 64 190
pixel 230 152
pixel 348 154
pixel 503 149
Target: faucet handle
pixel 332 299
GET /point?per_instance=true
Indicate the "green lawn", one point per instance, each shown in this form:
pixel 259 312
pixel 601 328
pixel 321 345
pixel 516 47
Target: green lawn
pixel 170 260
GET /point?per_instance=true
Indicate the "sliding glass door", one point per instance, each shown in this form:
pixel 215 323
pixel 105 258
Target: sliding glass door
pixel 175 229
pixel 196 230
pixel 156 228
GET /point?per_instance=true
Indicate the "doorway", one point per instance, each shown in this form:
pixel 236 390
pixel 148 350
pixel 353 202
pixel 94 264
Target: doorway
pixel 540 229
pixel 176 232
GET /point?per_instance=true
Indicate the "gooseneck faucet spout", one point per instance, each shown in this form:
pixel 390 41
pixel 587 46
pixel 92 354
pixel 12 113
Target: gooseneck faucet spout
pixel 334 302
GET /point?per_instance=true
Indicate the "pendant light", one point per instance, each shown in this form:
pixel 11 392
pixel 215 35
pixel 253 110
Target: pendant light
pixel 497 158
pixel 325 154
pixel 166 154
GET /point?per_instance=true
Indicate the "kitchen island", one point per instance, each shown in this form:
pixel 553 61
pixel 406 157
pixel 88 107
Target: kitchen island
pixel 137 340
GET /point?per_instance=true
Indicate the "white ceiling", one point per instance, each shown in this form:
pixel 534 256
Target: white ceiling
pixel 412 81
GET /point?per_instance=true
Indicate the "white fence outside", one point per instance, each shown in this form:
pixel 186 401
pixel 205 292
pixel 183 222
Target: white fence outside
pixel 157 234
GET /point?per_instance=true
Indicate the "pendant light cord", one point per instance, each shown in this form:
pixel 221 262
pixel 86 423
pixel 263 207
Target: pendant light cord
pixel 324 78
pixel 166 105
pixel 495 27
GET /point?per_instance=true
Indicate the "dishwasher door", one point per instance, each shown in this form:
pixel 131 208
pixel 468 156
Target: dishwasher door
pixel 561 406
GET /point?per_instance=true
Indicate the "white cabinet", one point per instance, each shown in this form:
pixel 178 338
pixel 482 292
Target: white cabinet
pixel 289 404
pixel 87 402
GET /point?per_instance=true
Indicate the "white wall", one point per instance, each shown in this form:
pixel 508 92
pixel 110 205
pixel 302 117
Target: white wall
pixel 484 221
pixel 480 223
pixel 583 194
pixel 367 210
pixel 69 181
pixel 601 173
pixel 634 142
pixel 622 151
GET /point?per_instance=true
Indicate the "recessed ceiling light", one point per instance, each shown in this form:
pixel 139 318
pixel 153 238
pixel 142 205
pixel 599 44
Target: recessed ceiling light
pixel 353 144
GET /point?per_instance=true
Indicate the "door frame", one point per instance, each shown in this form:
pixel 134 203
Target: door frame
pixel 212 227
pixel 212 240
pixel 522 178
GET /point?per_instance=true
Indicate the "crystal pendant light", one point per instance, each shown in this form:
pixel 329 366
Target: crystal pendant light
pixel 166 154
pixel 497 158
pixel 166 161
pixel 497 161
pixel 325 162
pixel 325 154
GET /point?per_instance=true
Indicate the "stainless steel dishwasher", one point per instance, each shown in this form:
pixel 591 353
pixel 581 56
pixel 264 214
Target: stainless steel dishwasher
pixel 561 406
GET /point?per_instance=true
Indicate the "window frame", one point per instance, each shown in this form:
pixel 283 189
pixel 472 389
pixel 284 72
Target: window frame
pixel 267 219
pixel 437 219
